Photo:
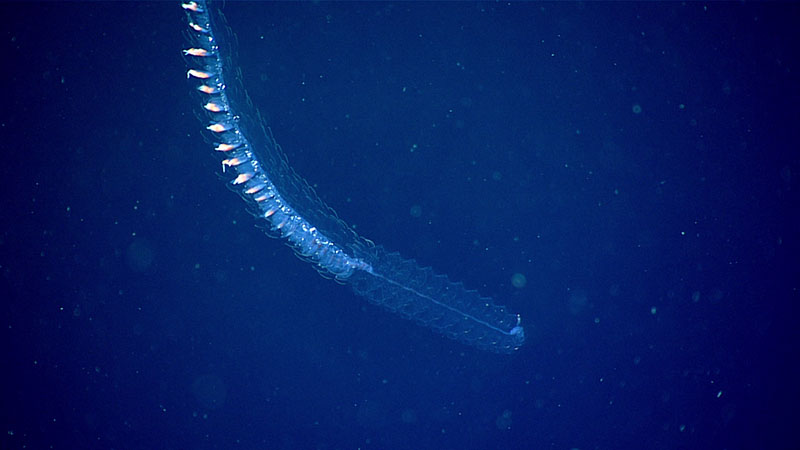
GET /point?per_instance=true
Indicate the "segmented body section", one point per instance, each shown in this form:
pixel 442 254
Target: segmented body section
pixel 251 178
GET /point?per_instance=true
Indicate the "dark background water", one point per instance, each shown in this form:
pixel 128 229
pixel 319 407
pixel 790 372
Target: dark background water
pixel 636 163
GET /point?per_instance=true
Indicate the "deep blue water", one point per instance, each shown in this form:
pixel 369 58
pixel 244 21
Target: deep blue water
pixel 636 163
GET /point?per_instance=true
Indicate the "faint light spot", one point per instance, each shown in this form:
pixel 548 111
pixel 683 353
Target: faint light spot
pixel 210 391
pixel 139 255
pixel 503 422
pixel 415 211
pixel 637 109
pixel 578 301
pixel 518 280
pixel 408 416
